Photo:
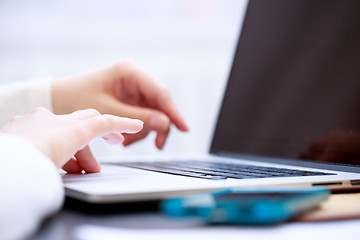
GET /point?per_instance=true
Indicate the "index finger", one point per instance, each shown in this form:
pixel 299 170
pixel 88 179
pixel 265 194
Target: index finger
pixel 105 124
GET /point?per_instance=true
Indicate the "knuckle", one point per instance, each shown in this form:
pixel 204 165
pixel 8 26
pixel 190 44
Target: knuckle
pixel 107 121
pixel 163 95
pixel 15 118
pixel 129 62
pixel 126 65
pixel 93 112
pixel 39 110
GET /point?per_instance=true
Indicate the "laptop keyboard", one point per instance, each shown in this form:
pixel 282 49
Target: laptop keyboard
pixel 218 170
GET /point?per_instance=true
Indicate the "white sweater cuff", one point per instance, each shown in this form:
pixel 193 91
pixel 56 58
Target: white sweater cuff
pixel 39 94
pixel 30 186
pixel 20 97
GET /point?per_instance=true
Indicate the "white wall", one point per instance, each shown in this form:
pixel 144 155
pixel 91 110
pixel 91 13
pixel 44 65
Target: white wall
pixel 187 45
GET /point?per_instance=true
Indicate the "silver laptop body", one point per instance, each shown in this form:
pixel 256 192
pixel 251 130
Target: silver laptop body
pixel 292 102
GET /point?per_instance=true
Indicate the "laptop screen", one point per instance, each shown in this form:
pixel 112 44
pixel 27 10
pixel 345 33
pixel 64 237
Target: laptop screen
pixel 294 88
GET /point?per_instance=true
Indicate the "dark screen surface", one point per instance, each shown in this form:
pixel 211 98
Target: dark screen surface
pixel 294 88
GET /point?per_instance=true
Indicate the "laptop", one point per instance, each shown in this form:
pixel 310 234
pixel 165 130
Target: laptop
pixel 290 116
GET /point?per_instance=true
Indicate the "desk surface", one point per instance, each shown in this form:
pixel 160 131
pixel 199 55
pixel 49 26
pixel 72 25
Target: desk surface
pixel 152 225
pixel 337 207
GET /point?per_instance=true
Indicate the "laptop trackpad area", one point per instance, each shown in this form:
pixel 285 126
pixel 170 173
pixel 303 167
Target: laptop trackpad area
pixel 108 172
pixel 118 179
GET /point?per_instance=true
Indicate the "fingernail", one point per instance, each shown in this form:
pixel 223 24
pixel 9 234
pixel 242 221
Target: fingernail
pixel 139 121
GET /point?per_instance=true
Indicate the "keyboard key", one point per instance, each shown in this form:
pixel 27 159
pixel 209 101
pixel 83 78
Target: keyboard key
pixel 217 170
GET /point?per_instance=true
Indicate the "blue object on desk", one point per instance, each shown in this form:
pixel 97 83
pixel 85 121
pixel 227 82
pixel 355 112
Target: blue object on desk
pixel 246 206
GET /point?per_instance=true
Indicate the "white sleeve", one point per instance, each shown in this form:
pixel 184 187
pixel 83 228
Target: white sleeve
pixel 20 97
pixel 30 187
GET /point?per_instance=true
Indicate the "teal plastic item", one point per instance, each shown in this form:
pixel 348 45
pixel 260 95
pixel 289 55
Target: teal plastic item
pixel 245 206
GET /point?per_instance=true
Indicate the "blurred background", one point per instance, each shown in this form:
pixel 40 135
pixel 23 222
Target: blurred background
pixel 187 45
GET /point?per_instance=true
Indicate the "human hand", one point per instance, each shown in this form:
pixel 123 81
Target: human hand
pixel 64 138
pixel 123 89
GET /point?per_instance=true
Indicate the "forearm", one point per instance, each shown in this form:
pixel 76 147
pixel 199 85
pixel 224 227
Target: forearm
pixel 21 97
